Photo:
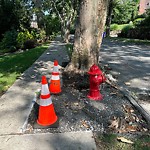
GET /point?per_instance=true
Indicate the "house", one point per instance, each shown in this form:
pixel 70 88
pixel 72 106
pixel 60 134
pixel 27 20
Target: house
pixel 34 21
pixel 144 4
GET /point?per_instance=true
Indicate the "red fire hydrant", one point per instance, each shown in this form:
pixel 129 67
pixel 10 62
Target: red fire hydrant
pixel 96 79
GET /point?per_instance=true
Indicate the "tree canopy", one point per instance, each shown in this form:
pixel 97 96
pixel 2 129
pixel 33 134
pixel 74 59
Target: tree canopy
pixel 124 11
pixel 13 15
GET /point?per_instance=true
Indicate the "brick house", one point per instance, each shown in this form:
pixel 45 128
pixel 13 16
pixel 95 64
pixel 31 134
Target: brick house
pixel 144 4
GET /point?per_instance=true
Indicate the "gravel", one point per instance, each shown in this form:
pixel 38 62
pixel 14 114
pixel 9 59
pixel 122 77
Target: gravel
pixel 77 113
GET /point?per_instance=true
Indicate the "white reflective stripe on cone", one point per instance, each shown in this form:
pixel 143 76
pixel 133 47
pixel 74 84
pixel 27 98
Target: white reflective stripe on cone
pixel 45 102
pixel 55 77
pixel 55 69
pixel 45 90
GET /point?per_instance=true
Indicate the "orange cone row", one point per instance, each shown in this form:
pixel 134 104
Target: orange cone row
pixel 55 86
pixel 47 115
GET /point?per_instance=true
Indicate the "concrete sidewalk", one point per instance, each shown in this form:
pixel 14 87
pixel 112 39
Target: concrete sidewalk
pixel 49 141
pixel 17 102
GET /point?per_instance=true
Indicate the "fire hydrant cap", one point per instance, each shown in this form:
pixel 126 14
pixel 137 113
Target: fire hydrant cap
pixel 94 70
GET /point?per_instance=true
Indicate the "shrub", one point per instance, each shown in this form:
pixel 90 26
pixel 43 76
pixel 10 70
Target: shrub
pixel 29 44
pixel 125 30
pixel 9 40
pixel 137 21
pixel 141 29
pixel 113 27
pixel 23 37
pixel 12 48
pixel 52 24
pixel 41 34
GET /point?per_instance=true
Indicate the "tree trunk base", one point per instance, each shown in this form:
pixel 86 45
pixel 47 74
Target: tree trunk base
pixel 71 68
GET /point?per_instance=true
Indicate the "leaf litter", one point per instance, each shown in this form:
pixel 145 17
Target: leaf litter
pixel 77 113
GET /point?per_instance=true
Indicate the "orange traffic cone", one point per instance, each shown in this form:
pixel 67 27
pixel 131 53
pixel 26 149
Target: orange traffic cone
pixel 55 86
pixel 47 114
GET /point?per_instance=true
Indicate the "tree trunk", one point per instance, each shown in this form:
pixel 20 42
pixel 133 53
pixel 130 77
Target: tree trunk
pixel 109 17
pixel 65 30
pixel 88 34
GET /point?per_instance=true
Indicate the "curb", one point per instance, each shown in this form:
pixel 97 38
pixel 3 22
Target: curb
pixel 24 127
pixel 133 100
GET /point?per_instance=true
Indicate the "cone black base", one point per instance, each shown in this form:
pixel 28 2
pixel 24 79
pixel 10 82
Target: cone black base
pixel 55 125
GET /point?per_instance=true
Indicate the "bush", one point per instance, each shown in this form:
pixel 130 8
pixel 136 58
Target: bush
pixel 141 29
pixel 29 44
pixel 52 24
pixel 125 30
pixel 41 34
pixel 113 27
pixel 9 40
pixel 23 37
pixel 142 33
pixel 137 21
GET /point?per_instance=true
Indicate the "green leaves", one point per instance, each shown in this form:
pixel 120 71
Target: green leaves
pixel 124 11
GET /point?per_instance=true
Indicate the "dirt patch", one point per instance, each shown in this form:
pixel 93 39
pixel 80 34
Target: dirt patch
pixel 77 113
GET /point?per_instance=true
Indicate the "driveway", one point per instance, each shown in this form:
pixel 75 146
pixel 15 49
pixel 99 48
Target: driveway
pixel 129 63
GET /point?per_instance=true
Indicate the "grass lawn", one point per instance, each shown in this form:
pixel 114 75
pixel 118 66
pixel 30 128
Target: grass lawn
pixel 110 142
pixel 12 65
pixel 117 26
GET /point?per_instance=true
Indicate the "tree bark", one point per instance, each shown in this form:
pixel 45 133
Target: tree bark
pixel 66 18
pixel 88 34
pixel 109 17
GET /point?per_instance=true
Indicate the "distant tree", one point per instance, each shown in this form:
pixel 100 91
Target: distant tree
pixel 66 11
pixel 109 16
pixel 124 11
pixel 13 15
pixel 37 8
pixel 52 24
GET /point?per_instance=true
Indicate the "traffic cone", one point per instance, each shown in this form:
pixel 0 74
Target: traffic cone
pixel 47 114
pixel 55 86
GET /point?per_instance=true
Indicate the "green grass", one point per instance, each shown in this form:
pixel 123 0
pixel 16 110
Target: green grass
pixel 110 142
pixel 12 65
pixel 117 26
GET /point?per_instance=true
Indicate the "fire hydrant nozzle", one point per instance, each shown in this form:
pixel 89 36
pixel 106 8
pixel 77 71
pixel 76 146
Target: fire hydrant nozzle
pixel 96 79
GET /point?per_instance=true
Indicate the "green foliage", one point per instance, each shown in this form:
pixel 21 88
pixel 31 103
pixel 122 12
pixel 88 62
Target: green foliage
pixel 141 29
pixel 137 21
pixel 9 41
pixel 124 11
pixel 61 16
pixel 125 30
pixel 113 27
pixel 146 22
pixel 52 24
pixel 23 37
pixel 41 34
pixel 13 15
